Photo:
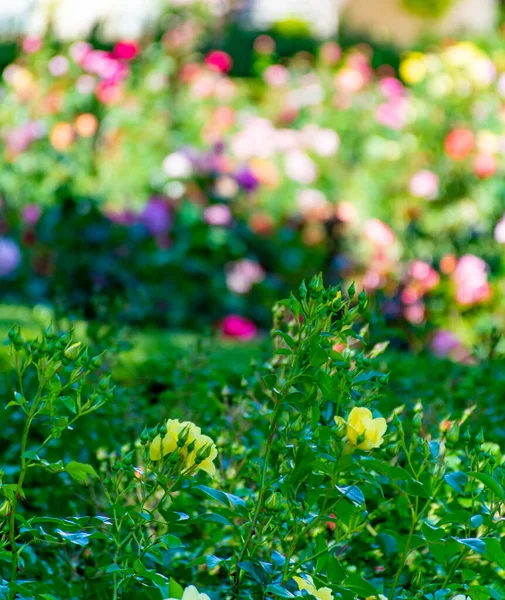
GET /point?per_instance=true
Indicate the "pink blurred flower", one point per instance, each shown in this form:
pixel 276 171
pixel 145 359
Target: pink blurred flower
pixel 330 53
pixel 414 313
pixel 499 231
pixel 484 165
pixel 470 278
pixel 378 233
pixel 424 274
pixel 424 184
pixel 391 87
pixel 235 326
pixel 32 45
pixel 58 65
pixel 85 84
pixel 300 167
pixel 218 215
pixel 444 343
pixel 125 49
pixel 243 274
pixel 392 114
pixel 219 61
pixel 276 75
pixel 79 49
pixel 31 214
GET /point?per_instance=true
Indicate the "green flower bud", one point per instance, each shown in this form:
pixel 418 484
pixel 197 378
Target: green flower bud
pixel 73 351
pixel 163 430
pixel 5 509
pixel 452 435
pixel 144 436
pixel 303 291
pixel 417 422
pixel 298 425
pixel 273 503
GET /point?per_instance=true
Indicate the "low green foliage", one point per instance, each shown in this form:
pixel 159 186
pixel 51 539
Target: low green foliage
pixel 326 466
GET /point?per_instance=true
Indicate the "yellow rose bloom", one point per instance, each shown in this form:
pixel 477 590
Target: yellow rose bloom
pixel 414 67
pixel 201 446
pixel 307 584
pixel 203 442
pixel 361 424
pixel 191 593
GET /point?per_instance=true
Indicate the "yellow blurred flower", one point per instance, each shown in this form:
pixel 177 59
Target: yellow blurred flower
pixel 377 597
pixel 307 584
pixel 363 430
pixel 196 449
pixel 414 67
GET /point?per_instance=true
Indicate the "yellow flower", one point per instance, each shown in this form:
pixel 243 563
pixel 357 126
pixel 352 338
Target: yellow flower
pixel 191 593
pixel 307 584
pixel 363 430
pixel 198 449
pixel 377 597
pixel 414 67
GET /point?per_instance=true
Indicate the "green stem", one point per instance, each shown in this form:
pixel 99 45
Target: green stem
pixel 261 498
pixel 18 492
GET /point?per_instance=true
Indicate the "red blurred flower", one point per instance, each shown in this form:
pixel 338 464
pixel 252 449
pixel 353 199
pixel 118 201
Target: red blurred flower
pixel 459 144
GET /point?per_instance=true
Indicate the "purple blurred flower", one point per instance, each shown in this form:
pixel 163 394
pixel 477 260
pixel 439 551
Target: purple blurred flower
pixel 157 215
pixel 10 256
pixel 247 180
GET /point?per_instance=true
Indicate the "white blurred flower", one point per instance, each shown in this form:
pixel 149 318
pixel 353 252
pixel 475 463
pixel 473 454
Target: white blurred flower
pixel 177 165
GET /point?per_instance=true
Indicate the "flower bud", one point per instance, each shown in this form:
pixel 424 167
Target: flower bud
pixel 73 351
pixel 303 291
pixel 298 424
pixel 163 430
pixel 341 428
pixel 417 422
pixel 5 509
pixel 452 435
pixel 144 436
pixel 273 502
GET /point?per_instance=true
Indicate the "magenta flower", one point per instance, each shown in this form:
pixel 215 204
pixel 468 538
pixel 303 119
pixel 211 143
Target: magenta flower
pixel 237 327
pixel 219 61
pixel 126 50
pixel 444 343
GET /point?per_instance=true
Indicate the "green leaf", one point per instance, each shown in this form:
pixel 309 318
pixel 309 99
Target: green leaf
pixel 495 552
pixel 222 497
pixel 174 589
pixel 353 494
pixel 475 544
pixel 457 481
pixel 80 471
pixel 278 590
pixel 78 538
pixel 489 482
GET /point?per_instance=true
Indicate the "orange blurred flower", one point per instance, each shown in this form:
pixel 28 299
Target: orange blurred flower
pixel 61 136
pixel 86 125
